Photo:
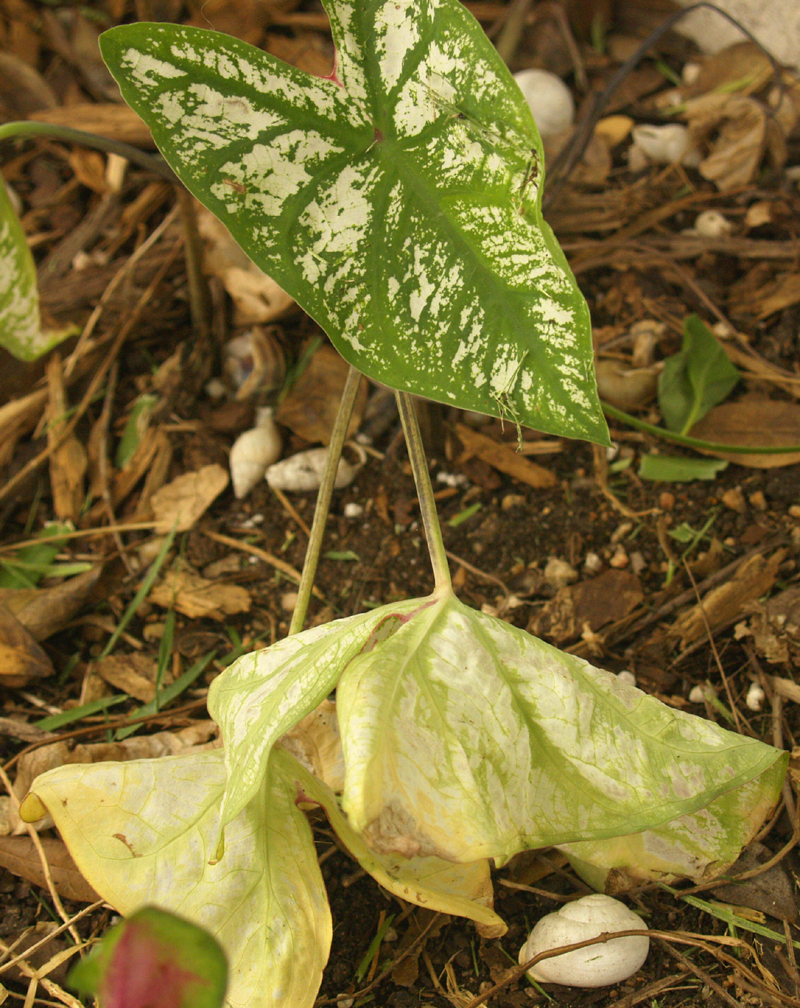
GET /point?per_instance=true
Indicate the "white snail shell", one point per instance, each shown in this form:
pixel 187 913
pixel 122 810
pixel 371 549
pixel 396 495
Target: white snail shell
pixel 303 471
pixel 595 965
pixel 253 452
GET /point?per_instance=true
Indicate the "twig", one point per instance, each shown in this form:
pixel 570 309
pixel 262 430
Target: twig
pixel 699 972
pixel 290 509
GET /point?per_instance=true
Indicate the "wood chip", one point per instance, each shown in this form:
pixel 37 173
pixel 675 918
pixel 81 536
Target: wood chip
pixel 502 457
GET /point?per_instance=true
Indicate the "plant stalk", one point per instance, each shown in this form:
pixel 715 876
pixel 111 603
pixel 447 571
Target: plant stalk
pixel 314 548
pixel 427 504
pixel 28 128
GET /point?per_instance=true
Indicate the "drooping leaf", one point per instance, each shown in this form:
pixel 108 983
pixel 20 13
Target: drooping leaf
pixel 265 693
pixel 700 845
pixel 400 203
pixel 464 890
pixel 154 959
pixel 144 832
pixel 467 738
pixel 679 469
pixel 696 378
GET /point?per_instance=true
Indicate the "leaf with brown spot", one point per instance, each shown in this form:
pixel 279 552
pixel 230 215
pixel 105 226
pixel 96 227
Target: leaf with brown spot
pixel 770 423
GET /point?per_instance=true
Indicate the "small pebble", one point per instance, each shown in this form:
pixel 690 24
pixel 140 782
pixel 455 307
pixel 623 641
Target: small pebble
pixel 511 501
pixel 353 510
pixel 620 558
pixel 558 573
pixel 638 562
pixel 288 601
pixel 451 479
pixel 734 499
pixel 627 677
pixel 794 511
pixel 666 500
pixel 758 500
pixel 215 389
pixel 592 563
pixel 698 694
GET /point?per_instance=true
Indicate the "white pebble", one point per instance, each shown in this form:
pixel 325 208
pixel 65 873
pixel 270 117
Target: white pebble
pixel 711 224
pixel 627 677
pixel 353 510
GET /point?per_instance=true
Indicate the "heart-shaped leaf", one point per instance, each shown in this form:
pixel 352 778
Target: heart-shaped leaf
pixel 700 845
pixel 265 693
pixel 467 738
pixel 154 959
pixel 695 379
pixel 399 204
pixel 19 299
pixel 144 832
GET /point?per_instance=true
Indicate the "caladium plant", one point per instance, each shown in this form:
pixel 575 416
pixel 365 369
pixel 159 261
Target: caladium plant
pixel 399 202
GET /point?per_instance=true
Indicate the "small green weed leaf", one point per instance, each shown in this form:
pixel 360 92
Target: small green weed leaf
pixel 464 890
pixel 144 832
pixel 676 469
pixel 20 326
pixel 265 693
pixel 26 567
pixel 154 959
pixel 700 845
pixel 400 203
pixel 694 380
pixel 467 738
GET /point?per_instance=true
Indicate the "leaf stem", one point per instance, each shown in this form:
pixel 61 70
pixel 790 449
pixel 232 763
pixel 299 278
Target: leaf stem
pixel 427 504
pixel 314 548
pixel 690 442
pixel 26 128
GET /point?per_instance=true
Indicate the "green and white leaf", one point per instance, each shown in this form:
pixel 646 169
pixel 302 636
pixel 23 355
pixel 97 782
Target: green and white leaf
pixel 700 845
pixel 20 328
pixel 464 890
pixel 401 209
pixel 466 738
pixel 696 378
pixel 143 832
pixel 265 693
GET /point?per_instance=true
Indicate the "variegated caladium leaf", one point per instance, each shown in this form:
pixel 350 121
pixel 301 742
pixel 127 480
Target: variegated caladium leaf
pixel 700 845
pixel 21 332
pixel 467 738
pixel 464 890
pixel 143 832
pixel 265 693
pixel 399 203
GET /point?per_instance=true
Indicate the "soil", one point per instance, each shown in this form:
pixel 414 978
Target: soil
pixel 598 517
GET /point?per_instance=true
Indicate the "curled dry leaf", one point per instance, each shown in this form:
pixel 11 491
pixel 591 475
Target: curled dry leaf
pixel 21 658
pixel 256 296
pixel 179 504
pixel 309 410
pixel 316 743
pixel 595 602
pixel 744 64
pixel 45 611
pixel 739 127
pixel 775 627
pixel 134 674
pixel 197 597
pixel 757 422
pixel 625 387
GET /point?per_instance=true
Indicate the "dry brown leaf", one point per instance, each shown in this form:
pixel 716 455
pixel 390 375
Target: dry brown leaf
pixel 316 743
pixel 256 296
pixel 770 891
pixel 23 90
pixel 45 611
pixel 68 460
pixel 721 605
pixel 775 627
pixel 502 457
pixel 744 64
pixel 21 658
pixel 309 410
pixel 134 674
pixel 196 597
pixel 758 422
pixel 19 856
pixel 179 504
pixel 596 602
pixel 783 292
pixel 739 127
